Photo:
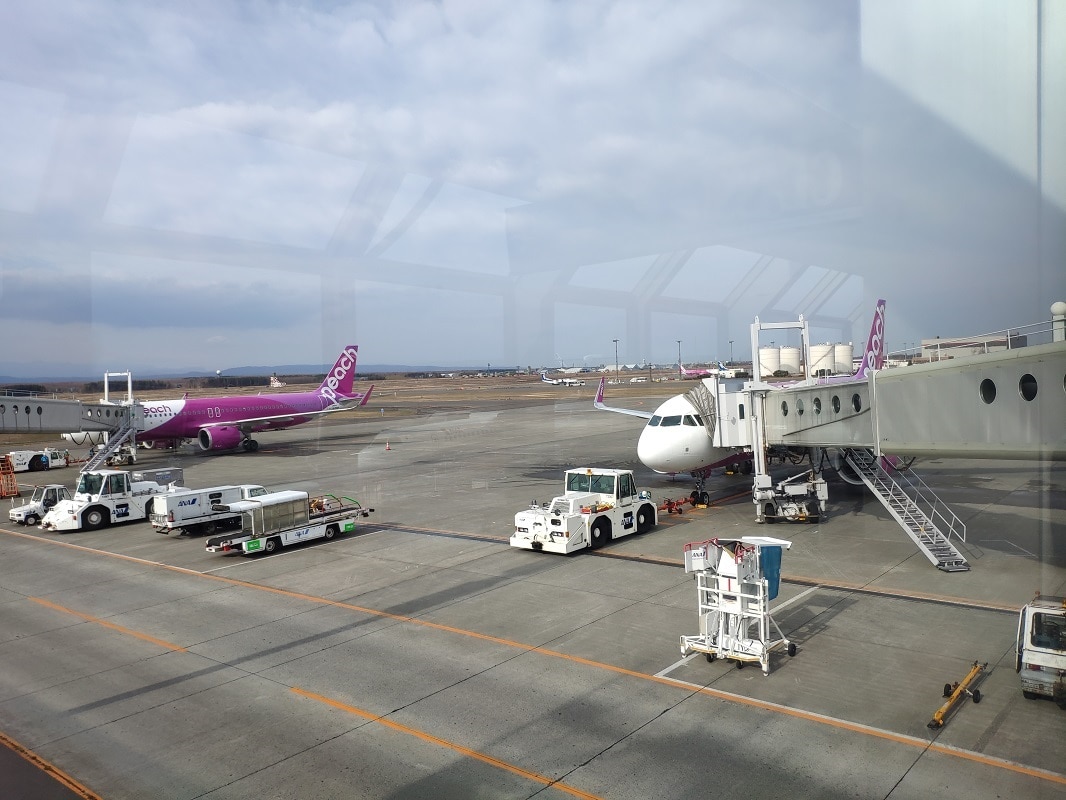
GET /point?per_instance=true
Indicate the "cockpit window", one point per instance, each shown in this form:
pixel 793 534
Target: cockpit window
pixel 688 420
pixel 671 421
pixel 654 421
pixel 699 419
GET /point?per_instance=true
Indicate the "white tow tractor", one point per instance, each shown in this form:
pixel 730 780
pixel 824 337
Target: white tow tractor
pixel 39 460
pixel 42 499
pixel 103 497
pixel 1042 648
pixel 801 498
pixel 598 505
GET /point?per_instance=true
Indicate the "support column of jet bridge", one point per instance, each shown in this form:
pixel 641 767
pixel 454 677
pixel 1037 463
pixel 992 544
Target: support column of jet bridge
pixel 735 581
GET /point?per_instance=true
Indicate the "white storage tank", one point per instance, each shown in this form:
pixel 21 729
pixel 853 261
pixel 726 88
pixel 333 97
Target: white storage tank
pixel 842 355
pixel 823 359
pixel 790 360
pixel 769 361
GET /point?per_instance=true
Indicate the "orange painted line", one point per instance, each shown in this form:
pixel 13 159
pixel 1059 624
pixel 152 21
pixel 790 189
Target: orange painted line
pixel 90 618
pixel 727 697
pixel 431 739
pixel 49 768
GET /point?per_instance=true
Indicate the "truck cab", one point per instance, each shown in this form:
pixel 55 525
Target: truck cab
pixel 1041 648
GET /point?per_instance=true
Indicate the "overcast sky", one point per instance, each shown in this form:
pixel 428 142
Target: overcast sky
pixel 207 185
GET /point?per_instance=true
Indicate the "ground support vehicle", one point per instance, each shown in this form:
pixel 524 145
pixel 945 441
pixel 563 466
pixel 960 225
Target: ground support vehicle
pixel 42 499
pixel 39 460
pixel 104 497
pixel 735 581
pixel 277 519
pixel 801 498
pixel 192 511
pixel 597 505
pixel 1041 648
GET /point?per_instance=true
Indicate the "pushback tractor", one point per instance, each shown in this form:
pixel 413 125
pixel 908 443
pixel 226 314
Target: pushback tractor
pixel 598 505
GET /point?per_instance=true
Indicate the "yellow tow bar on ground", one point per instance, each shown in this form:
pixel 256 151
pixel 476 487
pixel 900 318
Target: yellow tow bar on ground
pixel 956 691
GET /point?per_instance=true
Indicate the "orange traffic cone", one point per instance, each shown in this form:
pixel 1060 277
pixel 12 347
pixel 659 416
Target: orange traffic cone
pixel 387 446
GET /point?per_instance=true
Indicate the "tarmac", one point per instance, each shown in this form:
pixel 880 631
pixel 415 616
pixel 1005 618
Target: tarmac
pixel 422 656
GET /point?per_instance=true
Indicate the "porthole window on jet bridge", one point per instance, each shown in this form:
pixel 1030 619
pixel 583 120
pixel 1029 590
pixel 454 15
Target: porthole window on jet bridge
pixel 988 391
pixel 742 405
pixel 817 403
pixel 856 402
pixel 39 411
pixel 784 408
pixel 28 408
pixel 799 407
pixel 1027 386
pixel 3 409
pixel 836 404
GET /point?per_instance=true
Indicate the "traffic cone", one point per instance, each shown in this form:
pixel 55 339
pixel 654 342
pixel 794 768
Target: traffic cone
pixel 387 446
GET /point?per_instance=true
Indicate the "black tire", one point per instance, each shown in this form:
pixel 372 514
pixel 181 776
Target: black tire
pixel 769 513
pixel 207 528
pixel 705 499
pixel 645 518
pixel 331 531
pixel 31 519
pixel 740 665
pixel 1029 695
pixel 948 690
pixel 93 519
pixel 791 649
pixel 598 536
pixel 271 545
pixel 37 464
pixel 977 695
pixel 250 445
pixel 711 657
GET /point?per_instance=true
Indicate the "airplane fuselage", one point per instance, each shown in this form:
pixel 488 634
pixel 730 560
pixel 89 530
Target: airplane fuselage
pixel 183 419
pixel 676 441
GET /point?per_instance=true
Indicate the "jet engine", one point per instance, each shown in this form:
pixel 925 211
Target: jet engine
pixel 224 437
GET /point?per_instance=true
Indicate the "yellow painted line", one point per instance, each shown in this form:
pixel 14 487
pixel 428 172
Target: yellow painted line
pixel 431 739
pixel 666 681
pixel 49 768
pixel 90 618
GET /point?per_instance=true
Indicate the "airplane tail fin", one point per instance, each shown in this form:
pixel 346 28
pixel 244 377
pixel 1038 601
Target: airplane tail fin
pixel 599 393
pixel 338 382
pixel 873 357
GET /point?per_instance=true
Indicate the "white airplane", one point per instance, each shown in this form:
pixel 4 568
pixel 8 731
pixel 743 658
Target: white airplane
pixel 676 439
pixel 560 381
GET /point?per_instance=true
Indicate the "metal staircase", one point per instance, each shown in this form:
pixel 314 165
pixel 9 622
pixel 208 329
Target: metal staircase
pixel 926 519
pixel 126 433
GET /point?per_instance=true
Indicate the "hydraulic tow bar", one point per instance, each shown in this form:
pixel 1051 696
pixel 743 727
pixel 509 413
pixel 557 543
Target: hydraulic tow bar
pixel 955 691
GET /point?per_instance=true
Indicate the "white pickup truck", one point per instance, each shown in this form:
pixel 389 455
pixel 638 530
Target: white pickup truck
pixel 598 505
pixel 1041 648
pixel 103 497
pixel 193 511
pixel 275 520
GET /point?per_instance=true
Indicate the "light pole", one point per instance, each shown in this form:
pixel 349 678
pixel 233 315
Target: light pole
pixel 615 360
pixel 730 352
pixel 679 359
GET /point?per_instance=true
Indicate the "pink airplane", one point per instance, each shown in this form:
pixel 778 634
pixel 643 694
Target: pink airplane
pixel 225 423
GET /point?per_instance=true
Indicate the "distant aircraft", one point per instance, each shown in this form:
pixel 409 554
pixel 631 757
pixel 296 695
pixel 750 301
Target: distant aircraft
pixel 225 423
pixel 720 369
pixel 560 381
pixel 676 439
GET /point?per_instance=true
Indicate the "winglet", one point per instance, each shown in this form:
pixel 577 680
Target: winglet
pixel 598 402
pixel 367 395
pixel 873 357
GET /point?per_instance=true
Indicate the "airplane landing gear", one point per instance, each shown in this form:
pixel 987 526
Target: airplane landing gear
pixel 250 445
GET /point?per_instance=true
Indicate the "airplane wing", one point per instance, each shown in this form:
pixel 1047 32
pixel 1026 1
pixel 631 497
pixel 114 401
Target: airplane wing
pixel 598 404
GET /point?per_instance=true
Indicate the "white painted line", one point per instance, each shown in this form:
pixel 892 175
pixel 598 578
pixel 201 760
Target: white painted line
pixel 675 665
pixel 800 596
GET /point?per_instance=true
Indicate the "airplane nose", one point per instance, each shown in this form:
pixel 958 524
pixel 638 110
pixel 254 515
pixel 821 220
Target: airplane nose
pixel 655 452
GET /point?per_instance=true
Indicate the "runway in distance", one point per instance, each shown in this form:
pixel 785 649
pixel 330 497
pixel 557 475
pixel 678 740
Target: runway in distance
pixel 225 423
pixel 677 439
